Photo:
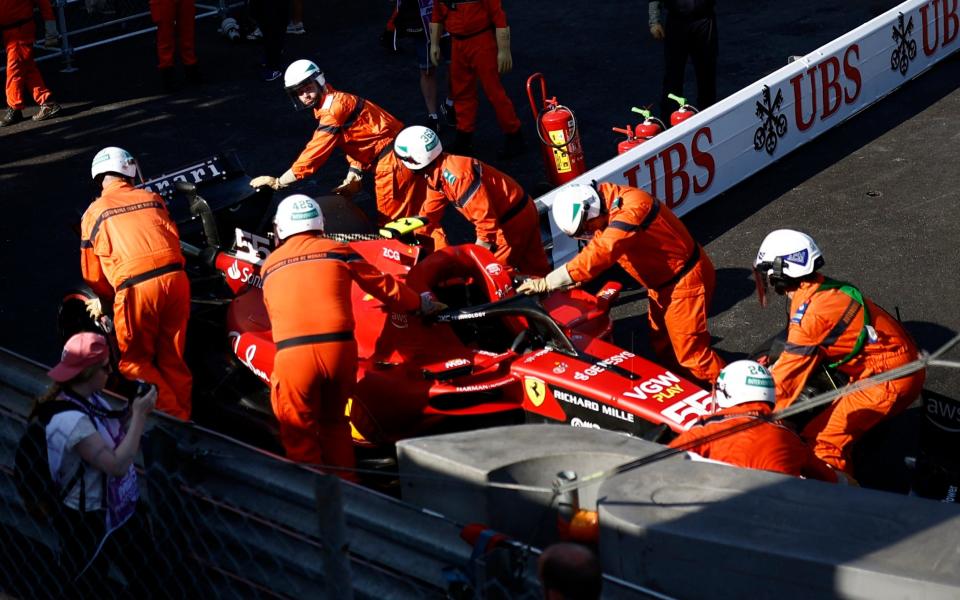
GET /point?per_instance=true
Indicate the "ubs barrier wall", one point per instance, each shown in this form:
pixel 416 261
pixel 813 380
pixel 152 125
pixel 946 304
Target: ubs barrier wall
pixel 690 164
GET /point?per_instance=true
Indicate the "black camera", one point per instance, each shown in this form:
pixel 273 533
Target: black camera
pixel 129 388
pixel 142 387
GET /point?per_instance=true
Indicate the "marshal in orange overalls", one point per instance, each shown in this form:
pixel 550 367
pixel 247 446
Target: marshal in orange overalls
pixel 471 24
pixel 130 251
pixel 306 289
pixel 824 327
pixel 504 215
pixel 765 446
pixel 365 133
pixel 175 31
pixel 651 244
pixel 18 33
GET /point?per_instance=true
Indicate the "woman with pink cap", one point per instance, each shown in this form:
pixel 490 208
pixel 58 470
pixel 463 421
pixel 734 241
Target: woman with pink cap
pixel 90 452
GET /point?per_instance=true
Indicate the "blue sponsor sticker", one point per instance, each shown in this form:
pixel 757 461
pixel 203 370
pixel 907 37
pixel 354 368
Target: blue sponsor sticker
pixel 798 316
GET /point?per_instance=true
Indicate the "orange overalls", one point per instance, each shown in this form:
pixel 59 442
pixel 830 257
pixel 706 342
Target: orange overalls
pixel 471 24
pixel 502 213
pixel 306 289
pixel 18 34
pixel 654 247
pixel 824 327
pixel 130 249
pixel 175 25
pixel 365 133
pixel 765 446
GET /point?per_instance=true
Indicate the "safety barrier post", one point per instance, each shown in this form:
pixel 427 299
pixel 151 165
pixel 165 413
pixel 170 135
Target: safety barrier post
pixel 331 530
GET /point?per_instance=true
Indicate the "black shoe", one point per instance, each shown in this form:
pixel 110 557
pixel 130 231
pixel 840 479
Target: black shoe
pixel 192 73
pixel 449 114
pixel 168 79
pixel 47 111
pixel 432 122
pixel 462 144
pixel 513 146
pixel 11 116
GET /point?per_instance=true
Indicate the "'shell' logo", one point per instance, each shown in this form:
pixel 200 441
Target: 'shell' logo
pixel 773 124
pixel 906 49
pixel 536 390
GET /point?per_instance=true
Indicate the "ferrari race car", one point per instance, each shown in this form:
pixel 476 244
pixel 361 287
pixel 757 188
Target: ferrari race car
pixel 492 353
pixel 493 357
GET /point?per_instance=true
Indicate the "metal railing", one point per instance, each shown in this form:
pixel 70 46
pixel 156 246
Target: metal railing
pixel 85 24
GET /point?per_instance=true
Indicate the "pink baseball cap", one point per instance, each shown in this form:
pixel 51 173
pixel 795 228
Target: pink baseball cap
pixel 82 350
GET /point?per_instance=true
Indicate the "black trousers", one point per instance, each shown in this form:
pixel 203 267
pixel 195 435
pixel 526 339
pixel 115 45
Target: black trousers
pixel 697 40
pixel 271 16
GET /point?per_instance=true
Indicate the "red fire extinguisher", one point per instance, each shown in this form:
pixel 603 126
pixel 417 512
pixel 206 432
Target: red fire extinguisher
pixel 559 138
pixel 630 143
pixel 649 127
pixel 683 113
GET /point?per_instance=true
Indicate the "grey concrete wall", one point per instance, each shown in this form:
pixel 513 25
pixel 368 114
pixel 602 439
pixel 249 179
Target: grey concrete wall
pixel 692 529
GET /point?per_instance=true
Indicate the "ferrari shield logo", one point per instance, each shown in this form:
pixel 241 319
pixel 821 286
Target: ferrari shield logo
pixel 536 390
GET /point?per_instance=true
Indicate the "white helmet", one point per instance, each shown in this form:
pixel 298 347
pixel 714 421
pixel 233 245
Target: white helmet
pixel 298 73
pixel 784 256
pixel 417 146
pixel 573 206
pixel 296 214
pixel 744 381
pixel 114 160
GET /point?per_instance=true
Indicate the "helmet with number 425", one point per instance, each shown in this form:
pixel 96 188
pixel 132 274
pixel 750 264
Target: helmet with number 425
pixel 296 214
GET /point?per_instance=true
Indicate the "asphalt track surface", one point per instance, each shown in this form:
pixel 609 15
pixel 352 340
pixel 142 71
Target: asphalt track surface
pixel 880 193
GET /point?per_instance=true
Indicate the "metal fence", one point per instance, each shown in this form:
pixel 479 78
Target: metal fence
pixel 224 519
pixel 84 24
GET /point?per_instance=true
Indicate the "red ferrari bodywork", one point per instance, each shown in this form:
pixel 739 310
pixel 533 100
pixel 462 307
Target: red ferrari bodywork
pixel 415 372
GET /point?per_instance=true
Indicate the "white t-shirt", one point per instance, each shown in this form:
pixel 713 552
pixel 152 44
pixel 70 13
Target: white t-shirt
pixel 64 432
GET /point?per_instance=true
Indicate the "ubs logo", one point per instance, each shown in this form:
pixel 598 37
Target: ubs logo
pixel 773 125
pixel 906 49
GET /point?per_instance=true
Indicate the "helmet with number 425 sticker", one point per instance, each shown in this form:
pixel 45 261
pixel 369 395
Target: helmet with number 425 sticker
pixel 296 214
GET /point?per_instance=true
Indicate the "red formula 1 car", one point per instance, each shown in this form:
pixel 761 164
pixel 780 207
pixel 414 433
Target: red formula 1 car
pixel 493 354
pixel 494 357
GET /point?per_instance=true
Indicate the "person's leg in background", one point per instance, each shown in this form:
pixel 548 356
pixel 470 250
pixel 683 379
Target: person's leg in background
pixel 186 24
pixel 295 26
pixel 271 15
pixel 163 13
pixel 704 46
pixel 675 52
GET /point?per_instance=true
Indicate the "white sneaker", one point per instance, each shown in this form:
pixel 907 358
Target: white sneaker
pixel 256 34
pixel 296 29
